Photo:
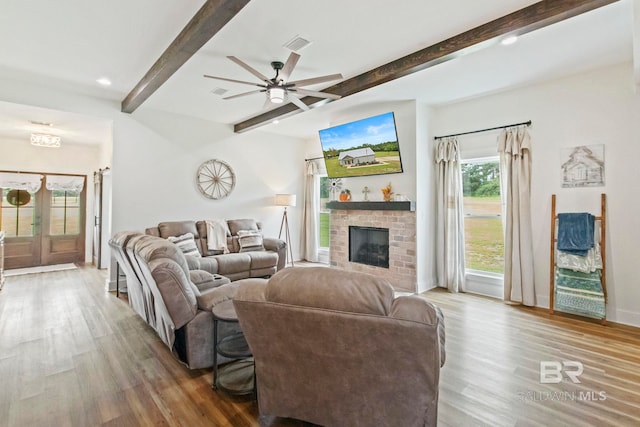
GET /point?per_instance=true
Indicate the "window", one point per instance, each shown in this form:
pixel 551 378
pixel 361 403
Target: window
pixel 483 232
pixel 17 212
pixel 324 213
pixel 65 213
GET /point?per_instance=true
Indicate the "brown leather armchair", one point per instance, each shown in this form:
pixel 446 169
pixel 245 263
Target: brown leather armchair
pixel 336 348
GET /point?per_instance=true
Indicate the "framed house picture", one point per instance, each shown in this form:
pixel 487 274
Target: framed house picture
pixel 583 166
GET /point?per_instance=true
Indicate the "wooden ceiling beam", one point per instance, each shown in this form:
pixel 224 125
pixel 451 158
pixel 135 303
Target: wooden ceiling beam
pixel 211 17
pixel 531 18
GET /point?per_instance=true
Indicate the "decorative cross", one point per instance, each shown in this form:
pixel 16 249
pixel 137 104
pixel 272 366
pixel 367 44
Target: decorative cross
pixel 365 191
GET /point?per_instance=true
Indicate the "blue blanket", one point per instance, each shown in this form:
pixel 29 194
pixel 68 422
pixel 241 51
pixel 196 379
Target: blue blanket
pixel 575 232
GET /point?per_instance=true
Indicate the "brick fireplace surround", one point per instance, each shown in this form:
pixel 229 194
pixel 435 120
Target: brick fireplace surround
pixel 398 217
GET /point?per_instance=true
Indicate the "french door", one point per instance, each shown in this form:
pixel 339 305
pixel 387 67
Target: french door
pixel 46 226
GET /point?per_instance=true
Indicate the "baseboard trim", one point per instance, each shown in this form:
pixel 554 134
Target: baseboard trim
pixel 484 285
pixel 627 317
pixel 111 285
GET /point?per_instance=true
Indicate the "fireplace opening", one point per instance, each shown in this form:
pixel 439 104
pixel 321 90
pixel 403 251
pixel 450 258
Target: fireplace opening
pixel 369 245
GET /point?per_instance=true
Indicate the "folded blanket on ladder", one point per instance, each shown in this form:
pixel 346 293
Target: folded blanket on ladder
pixel 575 232
pixel 579 293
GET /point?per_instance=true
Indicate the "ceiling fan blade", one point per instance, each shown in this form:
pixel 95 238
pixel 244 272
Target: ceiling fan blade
pixel 244 94
pixel 234 81
pixel 288 67
pixel 268 105
pixel 301 105
pixel 250 69
pixel 316 93
pixel 315 80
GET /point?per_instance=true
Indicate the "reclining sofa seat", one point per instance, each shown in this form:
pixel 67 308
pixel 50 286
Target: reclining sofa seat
pixel 135 293
pixel 335 348
pixel 178 310
pixel 234 265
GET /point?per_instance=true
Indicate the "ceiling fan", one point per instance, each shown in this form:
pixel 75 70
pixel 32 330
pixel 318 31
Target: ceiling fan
pixel 279 89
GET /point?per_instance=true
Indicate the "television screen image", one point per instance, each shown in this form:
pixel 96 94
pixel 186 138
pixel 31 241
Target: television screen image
pixel 364 147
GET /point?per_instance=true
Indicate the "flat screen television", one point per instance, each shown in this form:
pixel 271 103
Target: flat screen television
pixel 364 147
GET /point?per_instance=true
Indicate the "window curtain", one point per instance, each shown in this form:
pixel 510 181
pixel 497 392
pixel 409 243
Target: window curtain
pixel 65 183
pixel 514 146
pixel 21 181
pixel 450 269
pixel 310 213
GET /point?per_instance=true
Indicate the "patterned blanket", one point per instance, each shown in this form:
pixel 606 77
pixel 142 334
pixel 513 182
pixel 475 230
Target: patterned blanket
pixel 579 293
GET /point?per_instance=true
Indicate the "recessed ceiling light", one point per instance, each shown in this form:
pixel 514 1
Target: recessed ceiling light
pixel 104 81
pixel 509 40
pixel 275 122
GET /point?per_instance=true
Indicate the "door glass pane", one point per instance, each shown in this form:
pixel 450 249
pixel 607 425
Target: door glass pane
pixel 18 213
pixel 65 213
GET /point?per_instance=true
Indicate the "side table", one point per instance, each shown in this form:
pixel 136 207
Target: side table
pixel 237 377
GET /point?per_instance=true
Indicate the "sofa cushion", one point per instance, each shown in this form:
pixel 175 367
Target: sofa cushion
pixel 233 263
pixel 315 287
pixel 186 243
pixel 177 228
pixel 260 260
pixel 250 241
pixel 236 225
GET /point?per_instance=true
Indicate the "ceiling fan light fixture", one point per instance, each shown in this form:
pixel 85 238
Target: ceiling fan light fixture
pixel 276 95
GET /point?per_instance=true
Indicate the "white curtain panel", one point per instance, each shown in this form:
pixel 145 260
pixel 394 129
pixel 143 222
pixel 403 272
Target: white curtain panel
pixel 450 269
pixel 310 213
pixel 65 183
pixel 514 146
pixel 21 181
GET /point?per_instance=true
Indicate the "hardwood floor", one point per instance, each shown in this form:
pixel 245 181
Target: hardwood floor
pixel 72 354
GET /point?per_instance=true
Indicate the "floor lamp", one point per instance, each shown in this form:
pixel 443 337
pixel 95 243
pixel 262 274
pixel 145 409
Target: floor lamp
pixel 286 200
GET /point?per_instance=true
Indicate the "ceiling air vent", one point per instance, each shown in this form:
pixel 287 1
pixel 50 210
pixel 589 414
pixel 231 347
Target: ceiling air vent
pixel 297 43
pixel 219 91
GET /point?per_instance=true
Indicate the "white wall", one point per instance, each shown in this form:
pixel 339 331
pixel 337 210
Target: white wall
pixel 599 107
pixel 17 155
pixel 156 157
pixel 425 200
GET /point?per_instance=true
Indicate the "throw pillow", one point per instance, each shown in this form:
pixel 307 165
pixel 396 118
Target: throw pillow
pixel 250 240
pixel 186 243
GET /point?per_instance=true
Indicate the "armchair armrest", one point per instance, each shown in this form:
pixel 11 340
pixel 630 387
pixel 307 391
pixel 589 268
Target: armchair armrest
pixel 278 246
pixel 273 244
pixel 209 298
pixel 418 309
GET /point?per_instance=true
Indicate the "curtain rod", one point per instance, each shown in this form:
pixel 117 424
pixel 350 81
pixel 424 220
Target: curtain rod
pixel 484 130
pixel 314 158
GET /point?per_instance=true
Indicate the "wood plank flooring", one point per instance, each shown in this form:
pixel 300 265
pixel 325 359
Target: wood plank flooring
pixel 72 354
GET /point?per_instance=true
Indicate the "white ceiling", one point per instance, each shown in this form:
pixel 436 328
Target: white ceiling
pixel 72 43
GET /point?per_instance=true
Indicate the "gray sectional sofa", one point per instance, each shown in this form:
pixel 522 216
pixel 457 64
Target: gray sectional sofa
pixel 235 265
pixel 174 300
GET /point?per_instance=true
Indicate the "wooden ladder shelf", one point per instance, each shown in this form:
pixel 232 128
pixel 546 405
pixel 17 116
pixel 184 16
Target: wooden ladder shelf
pixel 603 276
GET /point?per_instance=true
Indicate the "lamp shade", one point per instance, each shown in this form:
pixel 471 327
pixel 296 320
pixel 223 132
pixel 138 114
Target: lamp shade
pixel 285 199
